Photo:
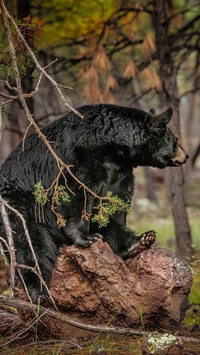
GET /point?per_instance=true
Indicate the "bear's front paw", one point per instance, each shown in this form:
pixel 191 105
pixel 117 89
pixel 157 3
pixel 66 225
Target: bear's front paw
pixel 94 237
pixel 146 240
pixel 87 241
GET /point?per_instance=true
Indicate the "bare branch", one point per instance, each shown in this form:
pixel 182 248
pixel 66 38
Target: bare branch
pixel 13 262
pixel 7 17
pixel 192 91
pixel 17 97
pixel 2 250
pixel 9 234
pixel 60 163
pixel 5 203
pixel 1 123
pixel 21 332
pixel 67 320
pixel 7 96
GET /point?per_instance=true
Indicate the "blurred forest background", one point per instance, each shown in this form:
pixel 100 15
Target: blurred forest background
pixel 143 54
pixel 129 52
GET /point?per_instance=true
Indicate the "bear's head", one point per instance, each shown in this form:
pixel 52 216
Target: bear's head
pixel 162 147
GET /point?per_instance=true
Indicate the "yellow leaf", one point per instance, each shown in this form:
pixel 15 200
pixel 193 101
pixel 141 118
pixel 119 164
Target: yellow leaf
pixel 130 70
pixel 91 75
pixel 151 79
pixel 92 93
pixel 157 82
pixel 100 60
pixel 151 42
pixel 148 46
pixel 111 83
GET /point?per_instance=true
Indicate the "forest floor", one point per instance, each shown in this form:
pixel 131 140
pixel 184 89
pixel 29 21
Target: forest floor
pixel 144 215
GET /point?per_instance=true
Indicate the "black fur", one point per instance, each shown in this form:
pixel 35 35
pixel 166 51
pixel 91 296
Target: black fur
pixel 103 148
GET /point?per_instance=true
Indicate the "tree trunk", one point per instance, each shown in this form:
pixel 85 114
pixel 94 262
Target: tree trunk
pixel 150 192
pixel 190 123
pixel 17 120
pixel 169 84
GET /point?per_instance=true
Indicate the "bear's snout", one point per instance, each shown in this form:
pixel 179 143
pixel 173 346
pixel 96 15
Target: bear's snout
pixel 180 157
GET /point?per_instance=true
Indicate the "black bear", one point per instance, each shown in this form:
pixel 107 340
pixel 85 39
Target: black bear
pixel 103 148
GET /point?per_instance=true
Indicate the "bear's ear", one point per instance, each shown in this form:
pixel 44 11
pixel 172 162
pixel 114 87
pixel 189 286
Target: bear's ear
pixel 161 120
pixel 152 111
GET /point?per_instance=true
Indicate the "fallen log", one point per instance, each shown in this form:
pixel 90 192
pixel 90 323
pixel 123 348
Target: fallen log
pixel 95 286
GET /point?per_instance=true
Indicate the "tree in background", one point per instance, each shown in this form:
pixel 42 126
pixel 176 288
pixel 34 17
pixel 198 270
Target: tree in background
pixel 168 75
pixel 134 53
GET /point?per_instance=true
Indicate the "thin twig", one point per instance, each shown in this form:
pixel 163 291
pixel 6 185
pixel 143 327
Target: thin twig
pixel 14 264
pixel 21 332
pixel 95 328
pixel 9 234
pixel 5 102
pixel 60 163
pixel 1 123
pixel 5 203
pixel 25 95
pixel 2 250
pixel 7 17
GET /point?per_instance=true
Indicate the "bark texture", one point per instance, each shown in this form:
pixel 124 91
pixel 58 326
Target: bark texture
pixel 96 286
pixel 168 75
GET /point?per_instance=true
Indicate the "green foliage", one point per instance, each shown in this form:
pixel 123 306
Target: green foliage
pixel 110 206
pixel 34 74
pixel 41 195
pixel 194 297
pixel 72 31
pixel 192 316
pixel 59 194
pixel 31 28
pixel 106 208
pixel 73 19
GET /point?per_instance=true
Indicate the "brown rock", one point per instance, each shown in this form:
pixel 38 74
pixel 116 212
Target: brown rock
pixel 96 286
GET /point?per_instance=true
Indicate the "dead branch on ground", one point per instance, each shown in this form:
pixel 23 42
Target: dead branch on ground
pixel 67 320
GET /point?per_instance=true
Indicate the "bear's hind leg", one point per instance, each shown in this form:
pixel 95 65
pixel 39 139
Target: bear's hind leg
pixel 124 241
pixel 45 251
pixel 33 285
pixel 145 241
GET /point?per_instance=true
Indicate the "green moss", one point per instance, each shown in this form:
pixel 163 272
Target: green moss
pixel 192 316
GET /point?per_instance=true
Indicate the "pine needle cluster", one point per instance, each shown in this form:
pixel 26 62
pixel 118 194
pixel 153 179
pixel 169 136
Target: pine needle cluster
pixel 108 207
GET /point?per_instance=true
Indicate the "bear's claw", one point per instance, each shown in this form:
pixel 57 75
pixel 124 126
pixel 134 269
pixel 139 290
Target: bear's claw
pixel 146 240
pixel 93 238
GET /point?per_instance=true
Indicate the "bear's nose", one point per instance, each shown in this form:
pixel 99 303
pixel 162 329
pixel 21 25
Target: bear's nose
pixel 180 157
